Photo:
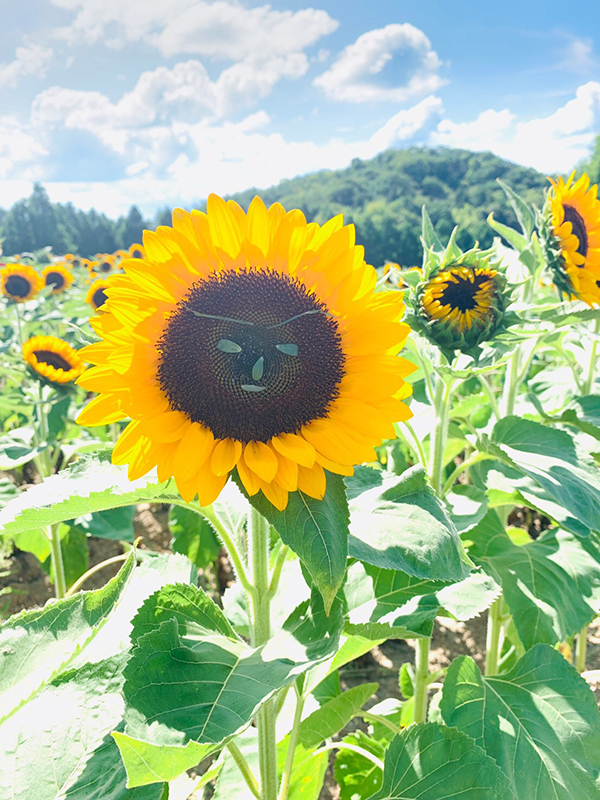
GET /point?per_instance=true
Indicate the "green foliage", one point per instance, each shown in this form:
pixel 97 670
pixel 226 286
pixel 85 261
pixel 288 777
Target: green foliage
pixel 539 722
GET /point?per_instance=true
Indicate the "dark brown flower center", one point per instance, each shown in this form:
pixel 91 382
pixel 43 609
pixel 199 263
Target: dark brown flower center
pixel 250 355
pixel 17 286
pixel 99 298
pixel 76 262
pixel 461 294
pixel 579 230
pixel 52 359
pixel 137 254
pixel 105 266
pixel 55 279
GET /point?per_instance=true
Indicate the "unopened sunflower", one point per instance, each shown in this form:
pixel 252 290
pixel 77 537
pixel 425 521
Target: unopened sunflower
pixel 460 301
pixel 251 342
pixel 136 251
pixel 57 276
pixel 53 359
pixel 20 282
pixel 570 233
pixel 96 295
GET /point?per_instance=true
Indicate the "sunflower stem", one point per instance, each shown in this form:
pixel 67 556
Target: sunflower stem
pixel 60 584
pixel 494 637
pixel 19 328
pixel 591 372
pixel 291 752
pixel 245 769
pixel 258 538
pixel 511 384
pixel 421 679
pixel 443 395
pixel 581 651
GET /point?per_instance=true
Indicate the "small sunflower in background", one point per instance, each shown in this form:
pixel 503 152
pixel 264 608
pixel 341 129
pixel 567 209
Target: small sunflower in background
pixel 20 282
pixel 105 265
pixel 53 359
pixel 58 276
pixel 570 232
pixel 96 295
pixel 251 342
pixel 74 261
pixel 459 301
pixel 137 251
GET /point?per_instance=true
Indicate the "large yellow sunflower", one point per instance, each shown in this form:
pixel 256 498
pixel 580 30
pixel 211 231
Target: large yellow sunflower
pixel 253 342
pixel 53 358
pixel 96 295
pixel 20 282
pixel 57 276
pixel 574 214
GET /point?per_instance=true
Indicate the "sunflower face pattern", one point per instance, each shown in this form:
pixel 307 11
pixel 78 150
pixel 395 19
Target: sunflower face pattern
pixel 58 277
pixel 252 342
pixel 570 232
pixel 136 251
pixel 20 282
pixel 96 295
pixel 53 359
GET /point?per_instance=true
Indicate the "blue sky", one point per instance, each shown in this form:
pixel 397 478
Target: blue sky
pixel 159 102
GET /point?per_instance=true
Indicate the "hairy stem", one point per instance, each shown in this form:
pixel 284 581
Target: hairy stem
pixel 244 768
pixel 258 537
pixel 421 679
pixel 591 371
pixel 494 638
pixel 581 651
pixel 293 741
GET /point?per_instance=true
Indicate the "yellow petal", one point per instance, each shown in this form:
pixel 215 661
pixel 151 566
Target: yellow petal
pixel 167 427
pixel 127 441
pixel 210 485
pixel 225 456
pixel 312 481
pixel 277 496
pixel 250 479
pixel 102 410
pixel 287 474
pixel 193 450
pixel 261 459
pixel 294 447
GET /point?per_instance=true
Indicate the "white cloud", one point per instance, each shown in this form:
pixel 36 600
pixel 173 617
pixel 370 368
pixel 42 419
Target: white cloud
pixel 32 59
pixel 551 144
pixel 224 29
pixel 18 151
pixel 353 76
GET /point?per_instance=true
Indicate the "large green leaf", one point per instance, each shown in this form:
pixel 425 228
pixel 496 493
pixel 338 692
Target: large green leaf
pixel 190 678
pixel 386 604
pixel 564 474
pixel 584 413
pixel 114 523
pixel 89 485
pixel 432 762
pixel 58 746
pixel 334 715
pixel 540 579
pixel 193 536
pixel 539 722
pixel 36 645
pixel 401 525
pixel 358 777
pixel 317 530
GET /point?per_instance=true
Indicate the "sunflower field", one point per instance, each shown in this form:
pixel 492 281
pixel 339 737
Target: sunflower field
pixel 345 462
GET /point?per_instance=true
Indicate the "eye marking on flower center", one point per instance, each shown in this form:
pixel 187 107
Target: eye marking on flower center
pixel 227 346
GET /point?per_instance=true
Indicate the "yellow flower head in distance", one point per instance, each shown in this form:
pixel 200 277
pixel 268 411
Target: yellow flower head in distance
pixel 573 212
pixel 105 265
pixel 137 251
pixel 58 276
pixel 20 282
pixel 53 359
pixel 253 342
pixel 96 295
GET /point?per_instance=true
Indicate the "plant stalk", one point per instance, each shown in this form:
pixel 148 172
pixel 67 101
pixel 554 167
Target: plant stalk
pixel 494 638
pixel 581 652
pixel 244 768
pixel 258 537
pixel 421 679
pixel 60 583
pixel 591 372
pixel 443 394
pixel 293 741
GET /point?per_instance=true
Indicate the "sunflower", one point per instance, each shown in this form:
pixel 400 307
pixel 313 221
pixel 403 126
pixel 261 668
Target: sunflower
pixel 53 359
pixel 105 264
pixel 96 295
pixel 137 251
pixel 75 261
pixel 253 342
pixel 20 282
pixel 571 235
pixel 58 276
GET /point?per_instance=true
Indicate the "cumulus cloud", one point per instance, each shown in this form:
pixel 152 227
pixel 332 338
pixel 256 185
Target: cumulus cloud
pixel 551 144
pixel 19 151
pixel 31 59
pixel 353 76
pixel 224 29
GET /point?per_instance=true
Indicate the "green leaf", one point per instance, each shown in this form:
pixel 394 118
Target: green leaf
pixel 114 523
pixel 17 449
pixel 522 210
pixel 58 745
pixel 187 680
pixel 584 413
pixel 357 776
pixel 406 680
pixel 539 722
pixel 401 525
pixel 74 547
pixel 467 505
pixel 334 715
pixel 193 536
pixel 35 542
pixel 88 485
pixel 230 783
pixel 513 237
pixel 8 491
pixel 147 763
pixel 564 474
pixel 430 237
pixel 308 774
pixel 431 762
pixel 543 593
pixel 317 530
pixel 36 645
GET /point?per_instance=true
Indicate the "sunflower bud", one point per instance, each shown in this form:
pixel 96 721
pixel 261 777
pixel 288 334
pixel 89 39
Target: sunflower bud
pixel 460 301
pixel 569 227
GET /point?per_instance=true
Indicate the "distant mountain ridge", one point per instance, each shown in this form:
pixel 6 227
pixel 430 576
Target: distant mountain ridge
pixel 384 196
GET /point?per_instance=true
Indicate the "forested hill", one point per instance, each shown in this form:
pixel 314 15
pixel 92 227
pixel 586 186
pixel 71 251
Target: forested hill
pixel 384 196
